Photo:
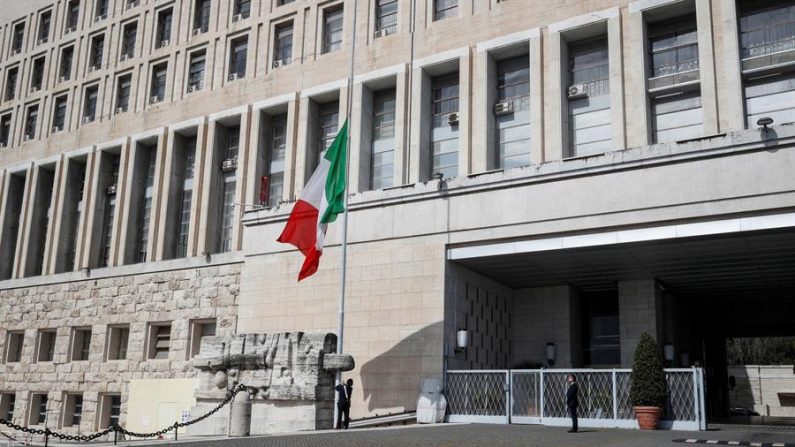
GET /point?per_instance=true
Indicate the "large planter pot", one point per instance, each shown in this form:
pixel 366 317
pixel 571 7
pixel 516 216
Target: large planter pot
pixel 648 417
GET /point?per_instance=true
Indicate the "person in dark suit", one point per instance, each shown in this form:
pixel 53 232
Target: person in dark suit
pixel 572 401
pixel 344 404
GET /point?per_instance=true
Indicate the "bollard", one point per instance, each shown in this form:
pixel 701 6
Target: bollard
pixel 46 437
pixel 115 435
pixel 240 417
pixel 176 431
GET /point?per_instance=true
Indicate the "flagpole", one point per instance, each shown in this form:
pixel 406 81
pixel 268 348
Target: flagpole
pixel 344 254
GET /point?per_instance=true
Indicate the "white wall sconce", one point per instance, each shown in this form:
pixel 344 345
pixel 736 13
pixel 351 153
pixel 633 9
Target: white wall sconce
pixel 461 340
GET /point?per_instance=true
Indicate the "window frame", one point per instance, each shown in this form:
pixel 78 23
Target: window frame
pixel 332 15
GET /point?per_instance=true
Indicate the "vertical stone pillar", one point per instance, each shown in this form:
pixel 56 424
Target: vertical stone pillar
pixel 86 236
pixel 616 68
pixel 159 197
pixel 638 128
pixel 198 212
pixel 640 309
pixel 401 125
pixel 360 156
pixel 465 114
pixel 291 148
pixel 706 64
pixel 242 181
pixel 240 417
pixel 556 126
pixel 482 118
pixel 727 65
pixel 19 258
pixel 536 100
pixel 420 116
pixel 303 143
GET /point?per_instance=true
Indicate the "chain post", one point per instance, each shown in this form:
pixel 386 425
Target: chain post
pixel 176 431
pixel 46 437
pixel 115 435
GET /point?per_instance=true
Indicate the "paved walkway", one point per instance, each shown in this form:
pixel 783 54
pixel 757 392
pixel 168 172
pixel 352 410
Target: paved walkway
pixel 476 435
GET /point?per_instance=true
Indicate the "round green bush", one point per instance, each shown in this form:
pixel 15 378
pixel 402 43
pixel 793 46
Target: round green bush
pixel 649 386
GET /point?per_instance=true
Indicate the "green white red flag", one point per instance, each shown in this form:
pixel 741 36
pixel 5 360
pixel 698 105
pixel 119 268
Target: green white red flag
pixel 321 200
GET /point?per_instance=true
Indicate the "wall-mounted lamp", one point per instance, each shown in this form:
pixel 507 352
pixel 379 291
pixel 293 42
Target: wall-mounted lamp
pixel 668 351
pixel 684 359
pixel 207 256
pixel 438 176
pixel 87 271
pixel 461 340
pixel 549 352
pixel 764 122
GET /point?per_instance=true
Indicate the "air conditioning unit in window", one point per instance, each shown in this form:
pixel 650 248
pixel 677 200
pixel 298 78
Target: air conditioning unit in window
pixel 15 51
pixel 278 63
pixel 192 88
pixel 154 99
pixel 87 119
pixel 41 41
pixel 124 57
pixel 230 164
pixel 237 18
pixel 62 79
pixel 27 137
pixel 163 43
pixel 120 110
pixel 503 108
pixel 110 190
pixel 56 129
pixel 35 88
pixel 382 33
pixel 576 91
pixel 100 18
pixel 92 68
pixel 132 4
pixel 71 29
pixel 234 76
pixel 197 31
pixel 452 119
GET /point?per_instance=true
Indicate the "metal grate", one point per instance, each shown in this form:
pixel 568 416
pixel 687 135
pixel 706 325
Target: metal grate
pixel 681 398
pixel 526 394
pixel 477 393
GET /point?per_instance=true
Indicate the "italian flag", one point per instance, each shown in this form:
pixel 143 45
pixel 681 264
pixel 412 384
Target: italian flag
pixel 320 202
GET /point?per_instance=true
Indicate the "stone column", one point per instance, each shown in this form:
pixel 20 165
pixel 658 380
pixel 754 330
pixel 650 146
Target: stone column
pixel 291 148
pixel 53 225
pixel 420 118
pixel 84 234
pixel 616 68
pixel 159 197
pixel 706 64
pixel 638 128
pixel 482 119
pixel 536 100
pixel 556 123
pixel 465 114
pixel 640 309
pixel 401 126
pixel 727 65
pixel 19 257
pixel 242 183
pixel 360 137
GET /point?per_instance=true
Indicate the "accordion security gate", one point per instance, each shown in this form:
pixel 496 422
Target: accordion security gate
pixel 539 397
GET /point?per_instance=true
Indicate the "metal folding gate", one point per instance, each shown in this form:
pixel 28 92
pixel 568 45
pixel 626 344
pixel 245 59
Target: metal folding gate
pixel 539 397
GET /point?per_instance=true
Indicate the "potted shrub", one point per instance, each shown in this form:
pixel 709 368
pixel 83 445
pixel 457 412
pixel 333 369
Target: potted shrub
pixel 649 387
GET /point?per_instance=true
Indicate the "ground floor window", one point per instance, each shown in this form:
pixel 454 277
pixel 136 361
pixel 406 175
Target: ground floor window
pixel 601 337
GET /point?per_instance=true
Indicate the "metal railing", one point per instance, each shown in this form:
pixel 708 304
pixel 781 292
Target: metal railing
pixel 539 397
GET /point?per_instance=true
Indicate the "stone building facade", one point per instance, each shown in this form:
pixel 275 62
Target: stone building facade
pixel 537 173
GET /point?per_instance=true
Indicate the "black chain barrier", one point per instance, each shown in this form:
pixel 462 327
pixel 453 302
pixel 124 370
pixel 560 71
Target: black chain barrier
pixel 116 429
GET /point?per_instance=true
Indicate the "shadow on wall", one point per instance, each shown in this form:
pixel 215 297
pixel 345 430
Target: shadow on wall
pixel 391 380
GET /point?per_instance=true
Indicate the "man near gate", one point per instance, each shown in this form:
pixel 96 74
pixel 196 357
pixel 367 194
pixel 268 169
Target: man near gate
pixel 572 401
pixel 344 404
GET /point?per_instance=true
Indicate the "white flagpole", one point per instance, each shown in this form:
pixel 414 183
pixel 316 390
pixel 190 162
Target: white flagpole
pixel 344 254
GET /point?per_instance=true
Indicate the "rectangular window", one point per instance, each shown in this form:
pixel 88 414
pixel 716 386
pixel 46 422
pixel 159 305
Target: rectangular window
pixel 201 18
pixel 101 10
pixel 159 341
pixel 444 126
pixel 18 38
pixel 38 409
pixel 123 93
pixel 39 221
pixel 73 209
pixel 72 15
pixel 196 72
pixel 673 47
pixel 31 120
pixel 676 116
pixel 109 410
pixel 97 49
pixel 130 33
pixel 329 124
pixel 8 403
pixel 59 114
pixel 110 164
pixel 118 338
pixel 443 9
pixel 386 15
pixel 237 59
pixel 183 223
pixel 602 345
pixel 65 70
pixel 382 164
pixel 276 156
pixel 44 27
pixel 589 109
pixel 81 344
pixel 164 28
pixel 228 205
pixel 45 349
pixel 283 2
pixel 158 91
pixel 242 8
pixel 72 410
pixel 199 329
pixel 10 226
pixel 148 161
pixel 5 130
pixel 767 50
pixel 37 77
pixel 332 29
pixel 90 104
pixel 512 113
pixel 11 83
pixel 14 343
pixel 283 45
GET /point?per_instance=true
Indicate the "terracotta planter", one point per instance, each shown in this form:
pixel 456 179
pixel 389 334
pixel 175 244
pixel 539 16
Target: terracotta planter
pixel 648 417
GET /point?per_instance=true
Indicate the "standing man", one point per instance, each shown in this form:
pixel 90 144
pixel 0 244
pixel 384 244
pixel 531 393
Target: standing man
pixel 344 404
pixel 572 401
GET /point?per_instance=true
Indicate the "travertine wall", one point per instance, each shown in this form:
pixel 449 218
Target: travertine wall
pixel 767 389
pixel 544 315
pixel 171 296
